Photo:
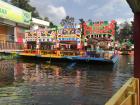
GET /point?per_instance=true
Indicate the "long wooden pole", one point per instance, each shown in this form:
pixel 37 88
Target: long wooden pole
pixel 137 45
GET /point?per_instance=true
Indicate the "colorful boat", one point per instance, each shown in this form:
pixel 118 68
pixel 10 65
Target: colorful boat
pixel 66 43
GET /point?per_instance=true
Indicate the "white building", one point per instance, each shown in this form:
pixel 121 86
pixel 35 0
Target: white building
pixel 37 23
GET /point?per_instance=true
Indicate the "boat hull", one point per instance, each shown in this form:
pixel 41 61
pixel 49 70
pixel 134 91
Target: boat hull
pixel 78 59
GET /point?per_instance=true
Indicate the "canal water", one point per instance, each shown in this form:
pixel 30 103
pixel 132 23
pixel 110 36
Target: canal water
pixel 24 82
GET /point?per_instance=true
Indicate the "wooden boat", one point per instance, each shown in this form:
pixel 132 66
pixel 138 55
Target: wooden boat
pixel 94 59
pixel 71 45
pixel 103 57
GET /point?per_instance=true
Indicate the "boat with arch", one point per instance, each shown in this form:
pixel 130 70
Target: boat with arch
pixel 68 43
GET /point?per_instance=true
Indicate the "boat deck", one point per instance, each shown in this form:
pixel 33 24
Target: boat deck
pixel 71 56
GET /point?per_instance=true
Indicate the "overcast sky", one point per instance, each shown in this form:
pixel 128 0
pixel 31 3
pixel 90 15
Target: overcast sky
pixel 95 10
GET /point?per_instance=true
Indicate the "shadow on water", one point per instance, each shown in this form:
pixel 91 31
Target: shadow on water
pixel 37 82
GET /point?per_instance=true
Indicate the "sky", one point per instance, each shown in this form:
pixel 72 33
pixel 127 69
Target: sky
pixel 96 10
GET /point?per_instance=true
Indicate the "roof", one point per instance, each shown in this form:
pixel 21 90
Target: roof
pixel 40 22
pixel 134 5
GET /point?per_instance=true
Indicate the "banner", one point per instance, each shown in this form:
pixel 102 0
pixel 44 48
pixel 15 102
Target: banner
pixel 99 28
pixel 71 37
pixel 13 13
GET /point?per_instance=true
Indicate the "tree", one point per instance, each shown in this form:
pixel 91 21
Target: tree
pixel 46 19
pixel 82 31
pixel 116 31
pixel 24 4
pixel 126 31
pixel 81 23
pixel 52 25
pixel 67 21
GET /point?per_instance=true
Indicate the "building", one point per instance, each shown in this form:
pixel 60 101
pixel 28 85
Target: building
pixel 13 23
pixel 37 24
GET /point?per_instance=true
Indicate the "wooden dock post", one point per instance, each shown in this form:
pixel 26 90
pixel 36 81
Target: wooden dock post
pixel 135 6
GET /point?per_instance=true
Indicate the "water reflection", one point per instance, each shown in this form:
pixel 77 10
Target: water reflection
pixel 6 72
pixel 28 83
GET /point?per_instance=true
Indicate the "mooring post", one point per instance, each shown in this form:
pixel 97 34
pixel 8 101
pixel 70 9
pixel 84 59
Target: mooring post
pixel 135 6
pixel 137 46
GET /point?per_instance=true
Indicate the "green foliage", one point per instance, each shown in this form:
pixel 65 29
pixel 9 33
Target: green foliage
pixel 106 22
pixel 116 31
pixel 8 57
pixel 52 25
pixel 46 19
pixel 126 32
pixel 90 23
pixel 49 43
pixel 81 22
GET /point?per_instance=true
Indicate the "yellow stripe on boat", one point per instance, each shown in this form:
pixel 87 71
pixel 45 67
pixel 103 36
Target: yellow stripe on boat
pixel 27 54
pixel 50 56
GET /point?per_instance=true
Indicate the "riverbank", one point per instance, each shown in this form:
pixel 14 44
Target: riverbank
pixel 8 56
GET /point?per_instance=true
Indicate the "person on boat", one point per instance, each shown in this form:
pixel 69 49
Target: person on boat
pixel 97 48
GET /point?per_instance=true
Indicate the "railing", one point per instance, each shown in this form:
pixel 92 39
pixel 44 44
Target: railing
pixel 61 53
pixel 52 53
pixel 30 51
pixel 127 95
pixel 10 46
pixel 49 53
pixel 101 54
pixel 70 53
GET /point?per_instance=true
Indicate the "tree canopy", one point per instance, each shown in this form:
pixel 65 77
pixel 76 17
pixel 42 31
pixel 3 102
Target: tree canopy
pixel 67 21
pixel 47 19
pixel 126 32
